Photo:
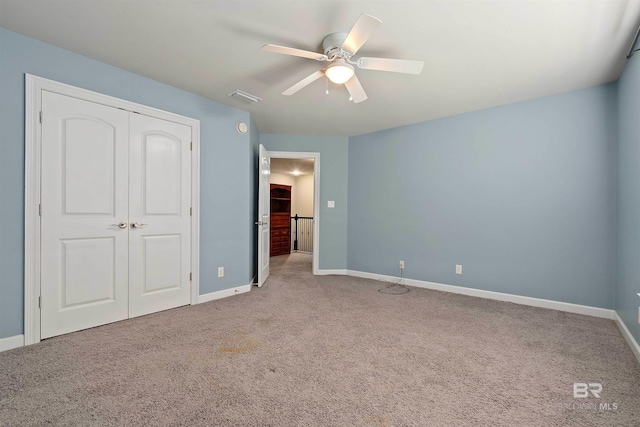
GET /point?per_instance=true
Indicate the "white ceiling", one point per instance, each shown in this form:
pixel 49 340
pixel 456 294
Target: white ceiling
pixel 477 53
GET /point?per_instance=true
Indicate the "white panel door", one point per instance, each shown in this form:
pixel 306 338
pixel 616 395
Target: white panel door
pixel 84 234
pixel 264 210
pixel 159 215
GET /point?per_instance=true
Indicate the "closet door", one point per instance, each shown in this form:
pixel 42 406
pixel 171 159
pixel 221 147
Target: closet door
pixel 84 225
pixel 159 215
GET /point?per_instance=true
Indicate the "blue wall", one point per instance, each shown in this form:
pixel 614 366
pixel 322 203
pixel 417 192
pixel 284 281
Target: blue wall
pixel 226 201
pixel 523 196
pixel 628 273
pixel 333 186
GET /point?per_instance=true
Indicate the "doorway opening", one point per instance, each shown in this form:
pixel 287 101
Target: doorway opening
pixel 297 173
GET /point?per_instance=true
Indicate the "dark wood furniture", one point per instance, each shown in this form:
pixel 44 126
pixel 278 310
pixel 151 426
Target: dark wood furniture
pixel 280 219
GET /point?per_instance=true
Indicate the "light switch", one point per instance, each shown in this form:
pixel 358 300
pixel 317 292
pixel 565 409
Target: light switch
pixel 331 204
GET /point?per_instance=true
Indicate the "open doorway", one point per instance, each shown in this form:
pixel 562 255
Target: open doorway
pixel 294 208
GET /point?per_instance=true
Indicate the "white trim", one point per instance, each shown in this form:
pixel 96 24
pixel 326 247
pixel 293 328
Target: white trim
pixel 31 216
pixel 315 267
pixel 195 212
pixel 11 342
pixel 33 100
pixel 635 348
pixel 499 296
pixel 211 296
pixel 326 272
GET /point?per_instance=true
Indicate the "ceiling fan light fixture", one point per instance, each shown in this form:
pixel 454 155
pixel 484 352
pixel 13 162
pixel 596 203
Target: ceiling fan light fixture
pixel 339 72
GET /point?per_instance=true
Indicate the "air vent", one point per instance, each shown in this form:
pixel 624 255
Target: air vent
pixel 245 97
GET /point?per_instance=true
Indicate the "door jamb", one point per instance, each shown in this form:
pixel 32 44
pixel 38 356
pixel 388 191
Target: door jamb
pixel 316 197
pixel 34 86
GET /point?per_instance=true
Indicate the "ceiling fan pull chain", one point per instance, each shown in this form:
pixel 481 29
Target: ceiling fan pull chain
pixel 326 91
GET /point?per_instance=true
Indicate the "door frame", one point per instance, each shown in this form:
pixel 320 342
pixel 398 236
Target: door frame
pixel 316 197
pixel 34 86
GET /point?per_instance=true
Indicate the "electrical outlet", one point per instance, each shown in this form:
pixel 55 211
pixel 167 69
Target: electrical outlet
pixel 220 271
pixel 401 264
pixel 458 268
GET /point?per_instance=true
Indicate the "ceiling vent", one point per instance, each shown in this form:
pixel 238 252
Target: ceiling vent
pixel 245 97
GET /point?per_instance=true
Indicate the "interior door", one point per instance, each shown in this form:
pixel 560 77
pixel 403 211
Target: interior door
pixel 159 215
pixel 84 208
pixel 264 170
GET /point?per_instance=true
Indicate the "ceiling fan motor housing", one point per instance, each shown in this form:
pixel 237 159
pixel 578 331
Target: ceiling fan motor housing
pixel 332 43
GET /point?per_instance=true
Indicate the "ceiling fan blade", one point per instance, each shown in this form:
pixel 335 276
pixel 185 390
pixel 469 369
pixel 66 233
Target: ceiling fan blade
pixel 304 82
pixel 294 52
pixel 395 65
pixel 355 90
pixel 360 33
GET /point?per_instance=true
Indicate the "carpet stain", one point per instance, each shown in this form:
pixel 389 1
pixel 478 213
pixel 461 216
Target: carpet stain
pixel 378 420
pixel 215 386
pixel 237 344
pixel 238 349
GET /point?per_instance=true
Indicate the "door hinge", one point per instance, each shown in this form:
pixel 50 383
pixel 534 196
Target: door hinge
pixel 40 209
pixel 191 146
pixel 40 302
pixel 41 116
pixel 190 276
pixel 190 211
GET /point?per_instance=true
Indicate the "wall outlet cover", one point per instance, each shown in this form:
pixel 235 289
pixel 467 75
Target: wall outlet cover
pixel 458 269
pixel 220 271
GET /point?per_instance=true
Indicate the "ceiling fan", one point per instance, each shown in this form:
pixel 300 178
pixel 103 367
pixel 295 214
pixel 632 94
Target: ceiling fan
pixel 339 48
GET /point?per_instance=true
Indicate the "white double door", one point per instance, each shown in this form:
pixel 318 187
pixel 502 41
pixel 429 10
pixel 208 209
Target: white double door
pixel 115 214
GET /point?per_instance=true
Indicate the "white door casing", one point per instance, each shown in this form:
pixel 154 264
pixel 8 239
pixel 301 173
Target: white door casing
pixel 84 198
pixel 160 222
pixel 77 202
pixel 264 208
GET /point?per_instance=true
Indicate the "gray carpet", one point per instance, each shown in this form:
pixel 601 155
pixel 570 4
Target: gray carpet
pixel 327 351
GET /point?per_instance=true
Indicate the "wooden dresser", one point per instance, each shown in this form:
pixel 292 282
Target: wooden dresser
pixel 280 219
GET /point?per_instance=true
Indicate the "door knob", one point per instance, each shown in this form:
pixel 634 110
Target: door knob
pixel 136 225
pixel 121 224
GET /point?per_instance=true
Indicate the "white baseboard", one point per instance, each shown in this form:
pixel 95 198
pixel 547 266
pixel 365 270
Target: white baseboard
pixel 342 272
pixel 11 342
pixel 224 293
pixel 635 348
pixel 499 296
